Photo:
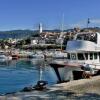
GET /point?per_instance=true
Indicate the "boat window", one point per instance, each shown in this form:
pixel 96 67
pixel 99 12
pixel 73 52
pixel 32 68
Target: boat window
pixel 89 37
pixel 79 37
pixel 86 56
pixel 68 56
pixel 95 55
pixel 73 56
pixel 91 56
pixel 99 55
pixel 80 56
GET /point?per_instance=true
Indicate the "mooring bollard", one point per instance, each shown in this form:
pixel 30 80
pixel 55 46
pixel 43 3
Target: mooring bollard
pixel 41 85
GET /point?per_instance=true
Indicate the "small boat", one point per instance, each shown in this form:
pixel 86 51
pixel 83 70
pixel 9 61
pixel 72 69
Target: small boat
pixel 37 55
pixel 4 57
pixel 59 55
pixel 15 56
pixel 24 54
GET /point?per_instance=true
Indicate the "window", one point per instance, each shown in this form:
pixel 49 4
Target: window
pixel 80 56
pixel 86 56
pixel 99 55
pixel 95 55
pixel 68 56
pixel 73 56
pixel 89 37
pixel 91 56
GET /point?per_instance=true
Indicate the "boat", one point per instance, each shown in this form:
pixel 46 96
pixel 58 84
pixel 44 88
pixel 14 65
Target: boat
pixel 4 57
pixel 37 55
pixel 59 54
pixel 24 54
pixel 83 55
pixel 15 54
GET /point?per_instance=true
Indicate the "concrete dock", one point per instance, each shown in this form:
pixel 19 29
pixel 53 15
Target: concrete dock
pixel 84 89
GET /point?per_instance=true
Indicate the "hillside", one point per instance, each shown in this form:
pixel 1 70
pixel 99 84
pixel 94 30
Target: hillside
pixel 27 33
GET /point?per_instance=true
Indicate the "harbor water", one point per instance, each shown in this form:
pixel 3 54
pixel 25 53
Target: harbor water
pixel 17 74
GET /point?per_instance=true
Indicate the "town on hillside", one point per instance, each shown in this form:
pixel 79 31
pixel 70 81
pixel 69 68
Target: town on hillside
pixel 40 39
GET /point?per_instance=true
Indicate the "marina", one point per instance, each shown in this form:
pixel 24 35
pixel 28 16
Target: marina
pixel 79 60
pixel 49 50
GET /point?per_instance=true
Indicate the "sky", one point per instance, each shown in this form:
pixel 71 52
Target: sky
pixel 27 14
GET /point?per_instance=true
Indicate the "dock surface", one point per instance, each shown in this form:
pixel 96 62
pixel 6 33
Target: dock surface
pixel 84 89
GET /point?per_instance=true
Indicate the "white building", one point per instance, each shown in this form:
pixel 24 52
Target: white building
pixel 40 28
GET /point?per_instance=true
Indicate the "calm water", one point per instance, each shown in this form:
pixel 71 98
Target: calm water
pixel 15 75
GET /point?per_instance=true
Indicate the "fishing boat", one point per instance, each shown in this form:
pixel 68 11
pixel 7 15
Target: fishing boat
pixel 83 54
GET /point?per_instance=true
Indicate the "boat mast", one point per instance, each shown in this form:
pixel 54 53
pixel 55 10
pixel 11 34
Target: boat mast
pixel 62 26
pixel 62 30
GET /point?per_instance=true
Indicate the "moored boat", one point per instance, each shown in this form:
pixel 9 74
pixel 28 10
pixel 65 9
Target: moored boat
pixel 83 54
pixel 4 57
pixel 37 55
pixel 59 55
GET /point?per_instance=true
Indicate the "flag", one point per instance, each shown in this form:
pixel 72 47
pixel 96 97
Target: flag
pixel 88 21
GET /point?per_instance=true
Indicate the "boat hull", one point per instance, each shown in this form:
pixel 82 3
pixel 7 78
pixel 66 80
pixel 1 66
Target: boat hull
pixel 67 71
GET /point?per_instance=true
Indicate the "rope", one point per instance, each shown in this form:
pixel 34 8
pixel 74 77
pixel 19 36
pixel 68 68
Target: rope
pixel 86 75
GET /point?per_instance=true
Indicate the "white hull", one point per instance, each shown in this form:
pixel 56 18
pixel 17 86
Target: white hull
pixel 5 58
pixel 37 56
pixel 59 55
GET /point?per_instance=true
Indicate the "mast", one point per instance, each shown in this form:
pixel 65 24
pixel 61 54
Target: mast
pixel 62 30
pixel 62 26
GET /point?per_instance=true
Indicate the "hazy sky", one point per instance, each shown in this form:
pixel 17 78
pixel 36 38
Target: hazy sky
pixel 27 14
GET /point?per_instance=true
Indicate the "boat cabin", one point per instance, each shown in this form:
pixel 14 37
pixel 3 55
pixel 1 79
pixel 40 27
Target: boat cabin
pixel 84 48
pixel 87 37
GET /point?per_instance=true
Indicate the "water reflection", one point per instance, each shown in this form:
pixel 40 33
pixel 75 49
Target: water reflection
pixel 17 74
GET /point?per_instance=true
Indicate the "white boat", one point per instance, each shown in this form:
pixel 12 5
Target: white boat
pixel 83 53
pixel 37 55
pixel 4 57
pixel 59 55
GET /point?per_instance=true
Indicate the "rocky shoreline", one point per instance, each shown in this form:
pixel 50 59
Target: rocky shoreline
pixel 84 89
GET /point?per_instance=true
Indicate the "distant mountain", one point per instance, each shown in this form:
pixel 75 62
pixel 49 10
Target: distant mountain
pixel 22 33
pixel 16 34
